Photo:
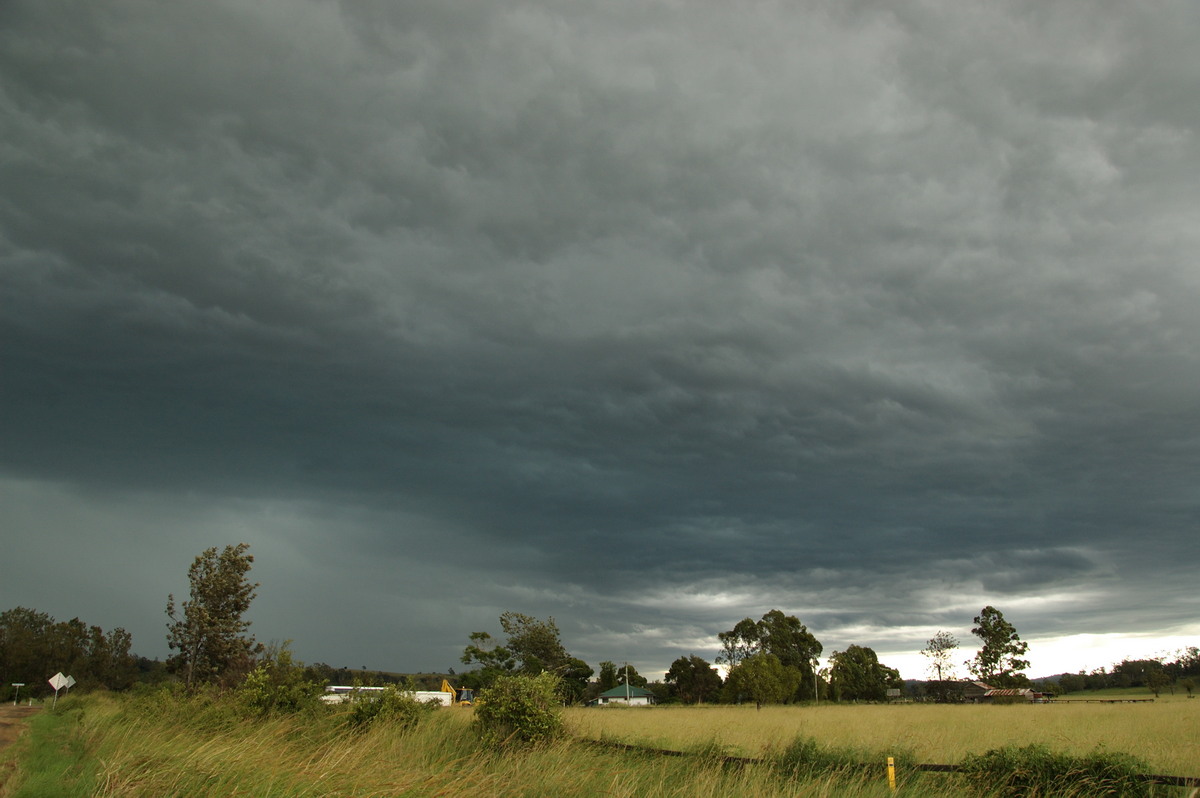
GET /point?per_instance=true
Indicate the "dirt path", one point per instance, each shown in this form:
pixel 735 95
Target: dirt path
pixel 12 722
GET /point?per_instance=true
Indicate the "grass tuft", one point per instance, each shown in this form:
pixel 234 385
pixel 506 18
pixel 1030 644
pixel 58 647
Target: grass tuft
pixel 1036 770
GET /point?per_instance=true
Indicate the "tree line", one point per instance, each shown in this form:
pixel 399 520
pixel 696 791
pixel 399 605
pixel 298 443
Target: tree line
pixel 772 660
pixel 1155 675
pixel 775 659
pixel 34 646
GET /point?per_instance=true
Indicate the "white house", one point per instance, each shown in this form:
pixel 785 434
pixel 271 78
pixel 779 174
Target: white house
pixel 626 697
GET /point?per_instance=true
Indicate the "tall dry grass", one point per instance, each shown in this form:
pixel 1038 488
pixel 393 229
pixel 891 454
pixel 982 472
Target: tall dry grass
pixel 164 745
pixel 174 747
pixel 1165 733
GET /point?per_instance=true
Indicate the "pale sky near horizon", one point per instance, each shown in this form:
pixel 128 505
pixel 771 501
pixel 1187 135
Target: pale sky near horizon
pixel 645 315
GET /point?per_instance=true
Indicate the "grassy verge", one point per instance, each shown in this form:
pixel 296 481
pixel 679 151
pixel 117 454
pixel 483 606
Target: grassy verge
pixel 53 756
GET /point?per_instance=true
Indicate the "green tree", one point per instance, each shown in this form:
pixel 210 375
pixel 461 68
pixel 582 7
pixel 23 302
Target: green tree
pixel 744 640
pixel 208 630
pixel 492 658
pixel 998 662
pixel 33 646
pixel 24 654
pixel 520 708
pixel 857 675
pixel 1072 682
pixel 627 674
pixel 784 636
pixel 574 674
pixel 694 679
pixel 1157 680
pixel 536 644
pixel 939 650
pixel 608 676
pixel 762 678
pixel 531 646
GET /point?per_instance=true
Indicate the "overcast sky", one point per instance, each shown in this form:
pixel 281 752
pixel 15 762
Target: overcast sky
pixel 647 316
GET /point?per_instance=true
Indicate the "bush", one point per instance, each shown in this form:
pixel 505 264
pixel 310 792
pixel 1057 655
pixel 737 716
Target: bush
pixel 389 705
pixel 1036 770
pixel 278 685
pixel 519 708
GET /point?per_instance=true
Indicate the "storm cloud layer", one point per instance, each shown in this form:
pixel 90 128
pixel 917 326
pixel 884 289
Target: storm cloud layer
pixel 645 315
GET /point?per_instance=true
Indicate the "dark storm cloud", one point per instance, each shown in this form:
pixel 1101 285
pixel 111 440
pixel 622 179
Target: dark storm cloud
pixel 646 316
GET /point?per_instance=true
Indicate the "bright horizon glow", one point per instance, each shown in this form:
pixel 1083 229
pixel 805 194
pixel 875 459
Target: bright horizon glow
pixel 1070 654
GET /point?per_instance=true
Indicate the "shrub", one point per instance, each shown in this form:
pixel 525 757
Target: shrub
pixel 519 708
pixel 389 705
pixel 1036 770
pixel 277 684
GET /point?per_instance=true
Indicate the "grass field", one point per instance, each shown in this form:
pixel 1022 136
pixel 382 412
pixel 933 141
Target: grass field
pixel 1165 733
pixel 169 746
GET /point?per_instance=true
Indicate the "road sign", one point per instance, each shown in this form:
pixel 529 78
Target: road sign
pixel 58 681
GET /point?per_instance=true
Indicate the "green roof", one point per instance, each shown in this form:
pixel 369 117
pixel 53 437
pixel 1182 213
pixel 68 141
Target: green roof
pixel 619 692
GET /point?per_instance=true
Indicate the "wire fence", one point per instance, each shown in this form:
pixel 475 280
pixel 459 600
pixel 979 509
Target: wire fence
pixel 1169 781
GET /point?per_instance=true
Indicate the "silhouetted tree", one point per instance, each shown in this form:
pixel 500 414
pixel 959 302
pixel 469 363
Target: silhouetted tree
pixel 999 661
pixel 208 630
pixel 694 679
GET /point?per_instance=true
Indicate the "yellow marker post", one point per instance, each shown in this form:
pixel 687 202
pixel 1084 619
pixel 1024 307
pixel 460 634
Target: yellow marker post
pixel 892 773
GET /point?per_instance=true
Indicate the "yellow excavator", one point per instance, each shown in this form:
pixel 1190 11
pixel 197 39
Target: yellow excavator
pixel 462 696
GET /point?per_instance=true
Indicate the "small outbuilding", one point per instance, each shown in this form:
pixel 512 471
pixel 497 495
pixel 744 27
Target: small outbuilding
pixel 1014 695
pixel 974 692
pixel 625 697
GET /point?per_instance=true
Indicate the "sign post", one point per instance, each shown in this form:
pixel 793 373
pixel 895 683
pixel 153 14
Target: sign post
pixel 58 682
pixel 17 685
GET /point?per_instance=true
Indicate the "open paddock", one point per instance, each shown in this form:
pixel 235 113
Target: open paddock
pixel 1165 733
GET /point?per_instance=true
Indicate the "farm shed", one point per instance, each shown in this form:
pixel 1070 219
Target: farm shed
pixel 1012 695
pixel 974 692
pixel 625 696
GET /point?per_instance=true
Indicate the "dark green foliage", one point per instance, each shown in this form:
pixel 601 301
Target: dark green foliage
pixel 1036 770
pixel 278 685
pixel 694 679
pixel 531 646
pixel 782 636
pixel 998 661
pixel 857 675
pixel 519 708
pixel 763 679
pixel 208 630
pixel 33 647
pixel 607 679
pixel 389 705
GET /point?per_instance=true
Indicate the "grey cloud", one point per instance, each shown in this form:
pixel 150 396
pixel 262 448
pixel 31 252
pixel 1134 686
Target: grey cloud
pixel 838 309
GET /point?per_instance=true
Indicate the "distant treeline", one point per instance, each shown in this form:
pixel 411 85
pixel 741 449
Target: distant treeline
pixel 34 646
pixel 1153 674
